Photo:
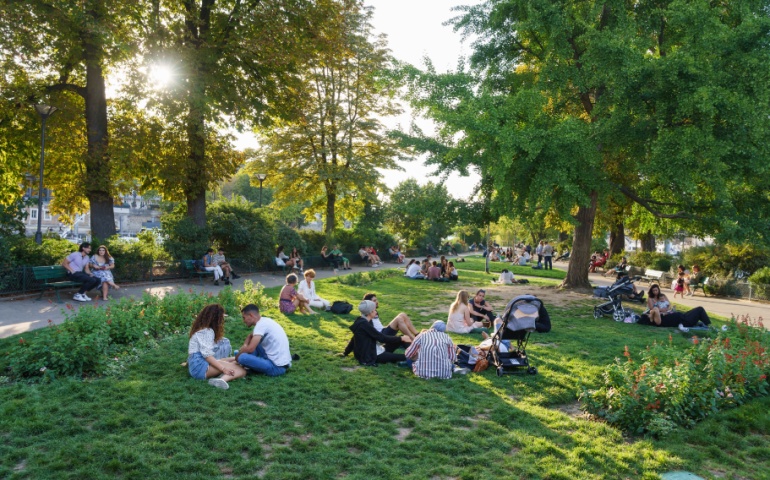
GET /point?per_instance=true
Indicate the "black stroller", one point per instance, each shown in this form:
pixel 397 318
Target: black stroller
pixel 523 315
pixel 614 294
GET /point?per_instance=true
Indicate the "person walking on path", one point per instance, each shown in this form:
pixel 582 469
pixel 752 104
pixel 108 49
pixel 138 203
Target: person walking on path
pixel 76 264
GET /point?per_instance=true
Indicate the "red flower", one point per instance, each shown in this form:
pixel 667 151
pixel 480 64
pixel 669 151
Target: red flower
pixel 21 341
pixel 695 340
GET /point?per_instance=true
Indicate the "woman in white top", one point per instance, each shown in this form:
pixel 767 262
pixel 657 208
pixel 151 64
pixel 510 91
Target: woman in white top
pixel 209 350
pixel 307 289
pixel 459 320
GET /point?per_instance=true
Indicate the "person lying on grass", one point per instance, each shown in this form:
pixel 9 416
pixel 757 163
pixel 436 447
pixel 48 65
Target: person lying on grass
pixel 266 349
pixel 208 350
pixel 365 339
pixel 459 319
pixel 401 323
pixel 432 353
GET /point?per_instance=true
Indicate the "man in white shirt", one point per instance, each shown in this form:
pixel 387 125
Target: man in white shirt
pixel 414 271
pixel 76 265
pixel 266 350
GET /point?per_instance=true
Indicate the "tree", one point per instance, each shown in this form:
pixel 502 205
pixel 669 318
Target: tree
pixel 568 103
pixel 335 142
pixel 233 63
pixel 68 46
pixel 421 214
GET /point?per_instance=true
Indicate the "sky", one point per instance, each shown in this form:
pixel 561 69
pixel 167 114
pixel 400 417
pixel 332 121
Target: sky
pixel 415 30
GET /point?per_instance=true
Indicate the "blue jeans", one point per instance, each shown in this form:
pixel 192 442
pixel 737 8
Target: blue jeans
pixel 259 362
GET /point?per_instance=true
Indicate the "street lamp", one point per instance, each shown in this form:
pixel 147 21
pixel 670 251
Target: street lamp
pixel 44 111
pixel 261 177
pixel 353 195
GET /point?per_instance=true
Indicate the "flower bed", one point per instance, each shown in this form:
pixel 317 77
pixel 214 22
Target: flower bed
pixel 666 387
pixel 91 339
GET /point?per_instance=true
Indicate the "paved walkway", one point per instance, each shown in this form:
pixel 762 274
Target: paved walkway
pixel 21 315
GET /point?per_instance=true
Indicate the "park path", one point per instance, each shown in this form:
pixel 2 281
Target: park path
pixel 20 315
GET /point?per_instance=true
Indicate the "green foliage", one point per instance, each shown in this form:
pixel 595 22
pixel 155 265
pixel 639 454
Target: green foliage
pixel 314 241
pixel 359 279
pixel 243 230
pixel 12 218
pixel 598 245
pixel 761 276
pixel 24 251
pixel 289 238
pixel 421 214
pixel 725 259
pixel 92 338
pixel 351 240
pixel 666 387
pixel 184 239
pixel 653 260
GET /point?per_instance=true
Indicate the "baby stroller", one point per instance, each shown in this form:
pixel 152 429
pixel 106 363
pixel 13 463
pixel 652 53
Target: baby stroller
pixel 523 315
pixel 614 295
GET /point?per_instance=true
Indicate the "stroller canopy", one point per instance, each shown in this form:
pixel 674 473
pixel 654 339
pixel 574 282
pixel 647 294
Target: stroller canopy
pixel 526 313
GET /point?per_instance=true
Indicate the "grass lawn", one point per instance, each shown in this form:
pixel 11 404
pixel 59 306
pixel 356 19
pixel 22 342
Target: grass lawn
pixel 477 263
pixel 330 418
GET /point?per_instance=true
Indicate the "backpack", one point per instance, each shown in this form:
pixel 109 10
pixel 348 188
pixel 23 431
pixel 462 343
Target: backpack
pixel 341 307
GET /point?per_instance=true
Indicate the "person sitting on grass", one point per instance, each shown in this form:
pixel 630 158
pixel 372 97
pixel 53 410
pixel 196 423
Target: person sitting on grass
pixel 506 278
pixel 414 271
pixel 401 323
pixel 208 350
pixel 307 290
pixel 434 272
pixel 480 310
pixel 266 348
pixel 432 353
pixel 459 319
pixel 425 266
pixel 290 300
pixel 365 339
pixel 452 272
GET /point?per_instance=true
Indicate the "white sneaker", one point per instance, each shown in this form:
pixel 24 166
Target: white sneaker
pixel 683 329
pixel 86 298
pixel 78 297
pixel 219 383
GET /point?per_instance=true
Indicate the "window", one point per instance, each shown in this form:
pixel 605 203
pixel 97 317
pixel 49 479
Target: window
pixel 33 214
pixel 46 215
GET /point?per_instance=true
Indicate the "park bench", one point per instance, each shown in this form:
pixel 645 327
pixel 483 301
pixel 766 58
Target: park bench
pixel 54 277
pixel 703 282
pixel 274 267
pixel 189 267
pixel 653 276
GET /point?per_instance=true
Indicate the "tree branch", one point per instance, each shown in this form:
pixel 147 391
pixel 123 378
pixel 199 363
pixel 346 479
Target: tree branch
pixel 66 87
pixel 646 203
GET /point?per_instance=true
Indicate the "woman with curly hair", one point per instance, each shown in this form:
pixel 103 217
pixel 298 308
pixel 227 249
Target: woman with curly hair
pixel 101 265
pixel 209 350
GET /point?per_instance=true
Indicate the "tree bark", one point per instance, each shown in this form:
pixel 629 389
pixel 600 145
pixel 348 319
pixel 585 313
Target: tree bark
pixel 580 257
pixel 648 242
pixel 196 175
pixel 617 238
pixel 331 199
pixel 98 184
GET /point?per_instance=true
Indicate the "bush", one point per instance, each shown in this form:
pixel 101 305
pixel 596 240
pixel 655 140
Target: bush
pixel 289 238
pixel 313 241
pixel 244 231
pixel 91 338
pixel 598 244
pixel 725 260
pixel 24 251
pixel 652 260
pixel 666 387
pixel 184 239
pixel 761 276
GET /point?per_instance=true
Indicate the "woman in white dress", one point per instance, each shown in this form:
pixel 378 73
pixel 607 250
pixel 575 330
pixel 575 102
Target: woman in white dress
pixel 459 320
pixel 307 289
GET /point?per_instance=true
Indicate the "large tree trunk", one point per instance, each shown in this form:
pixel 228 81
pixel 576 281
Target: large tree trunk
pixel 98 185
pixel 617 238
pixel 648 242
pixel 331 199
pixel 577 274
pixel 196 175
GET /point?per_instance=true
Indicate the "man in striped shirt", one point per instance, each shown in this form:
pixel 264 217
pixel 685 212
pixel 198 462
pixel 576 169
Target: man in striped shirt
pixel 432 352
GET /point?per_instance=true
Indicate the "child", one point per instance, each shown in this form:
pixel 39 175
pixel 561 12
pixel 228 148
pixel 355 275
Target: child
pixel 679 287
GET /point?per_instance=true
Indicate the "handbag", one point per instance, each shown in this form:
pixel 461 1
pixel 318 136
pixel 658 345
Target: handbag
pixel 481 364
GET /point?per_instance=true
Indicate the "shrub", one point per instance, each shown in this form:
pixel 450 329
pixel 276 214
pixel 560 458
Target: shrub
pixel 724 260
pixel 598 244
pixel 653 260
pixel 364 278
pixel 24 251
pixel 288 237
pixel 761 276
pixel 184 239
pixel 313 241
pixel 244 231
pixel 665 387
pixel 91 337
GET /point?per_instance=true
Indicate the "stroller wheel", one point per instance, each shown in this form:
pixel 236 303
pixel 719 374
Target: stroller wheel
pixel 532 370
pixel 499 371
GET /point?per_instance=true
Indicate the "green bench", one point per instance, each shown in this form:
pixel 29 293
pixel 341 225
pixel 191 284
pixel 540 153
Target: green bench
pixel 189 266
pixel 702 283
pixel 54 277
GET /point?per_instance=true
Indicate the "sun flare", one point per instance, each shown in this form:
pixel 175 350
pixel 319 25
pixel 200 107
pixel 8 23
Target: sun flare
pixel 161 76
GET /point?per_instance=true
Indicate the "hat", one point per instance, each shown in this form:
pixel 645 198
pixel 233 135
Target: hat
pixel 439 326
pixel 366 307
pixel 526 310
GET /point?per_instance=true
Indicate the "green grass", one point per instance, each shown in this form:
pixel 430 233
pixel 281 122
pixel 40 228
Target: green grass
pixel 328 418
pixel 477 263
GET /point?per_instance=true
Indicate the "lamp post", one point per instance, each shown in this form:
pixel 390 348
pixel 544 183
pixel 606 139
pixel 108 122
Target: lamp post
pixel 261 177
pixel 44 111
